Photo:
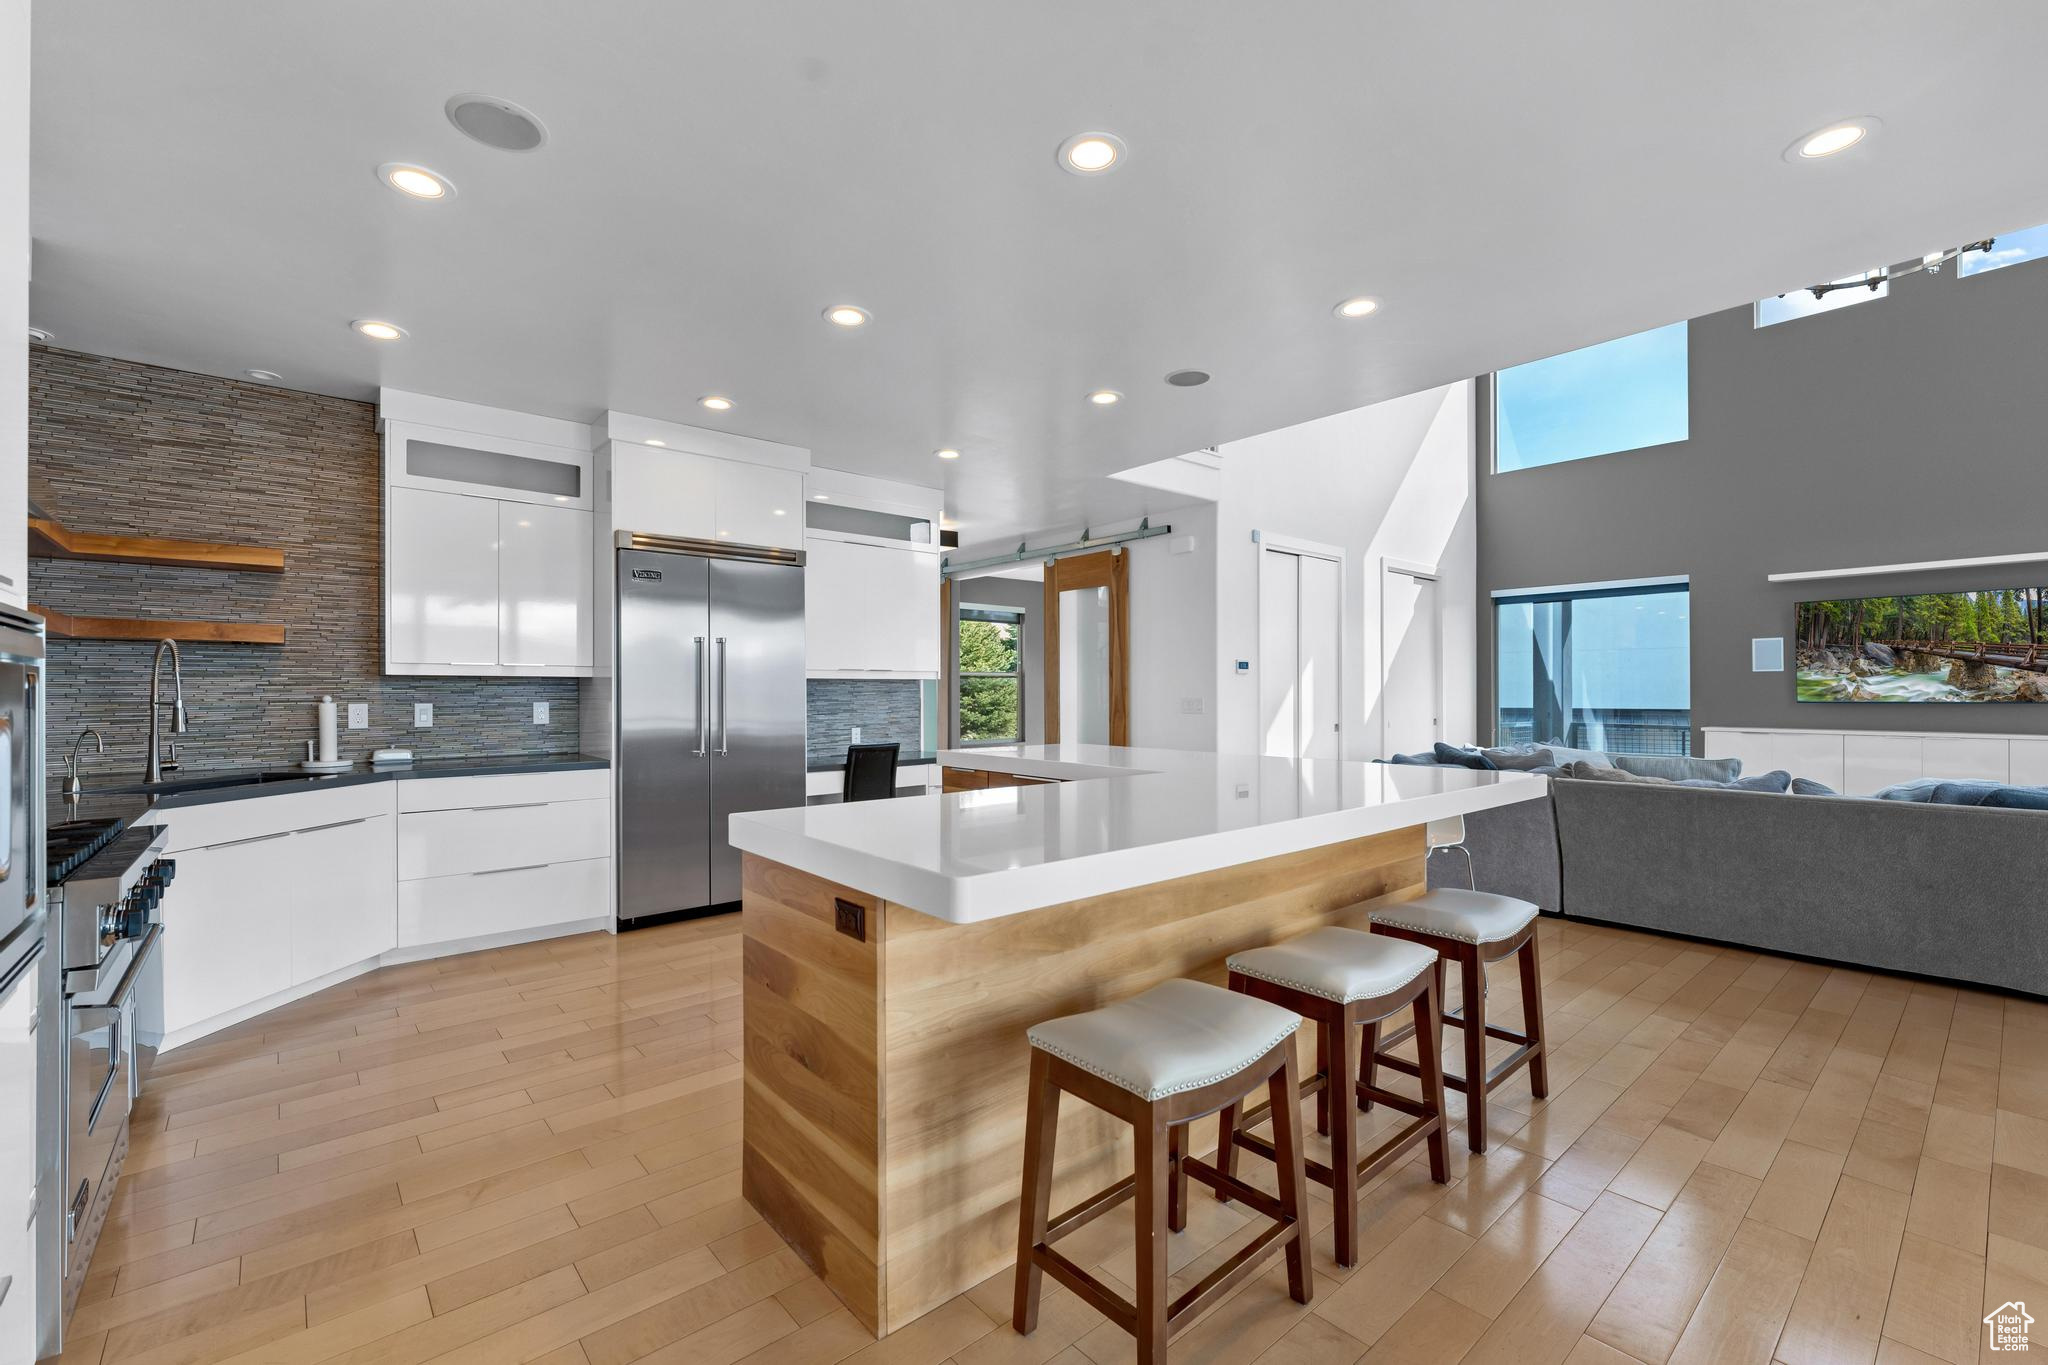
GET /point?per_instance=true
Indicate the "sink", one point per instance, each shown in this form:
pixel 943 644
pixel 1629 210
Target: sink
pixel 173 786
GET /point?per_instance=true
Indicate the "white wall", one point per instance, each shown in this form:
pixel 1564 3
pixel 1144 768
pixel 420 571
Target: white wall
pixel 1391 481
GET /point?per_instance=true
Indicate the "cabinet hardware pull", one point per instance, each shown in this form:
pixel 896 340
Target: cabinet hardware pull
pixel 336 824
pixel 513 805
pixel 500 871
pixel 256 839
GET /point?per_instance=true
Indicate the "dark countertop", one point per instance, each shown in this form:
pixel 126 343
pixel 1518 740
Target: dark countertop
pixel 204 787
pixel 837 762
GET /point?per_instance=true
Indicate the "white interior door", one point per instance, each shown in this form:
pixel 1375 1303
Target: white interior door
pixel 1411 645
pixel 1319 637
pixel 1279 652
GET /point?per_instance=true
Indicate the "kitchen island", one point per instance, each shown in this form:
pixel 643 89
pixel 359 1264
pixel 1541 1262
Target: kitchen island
pixel 896 952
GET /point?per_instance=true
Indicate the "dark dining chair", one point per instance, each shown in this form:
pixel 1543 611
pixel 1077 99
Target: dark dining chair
pixel 870 772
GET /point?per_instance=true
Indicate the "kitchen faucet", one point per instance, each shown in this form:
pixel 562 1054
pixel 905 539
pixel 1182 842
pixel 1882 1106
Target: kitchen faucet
pixel 73 789
pixel 154 772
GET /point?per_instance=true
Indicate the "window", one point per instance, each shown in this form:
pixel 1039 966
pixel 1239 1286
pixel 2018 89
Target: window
pixel 1800 303
pixel 1620 395
pixel 1596 668
pixel 991 673
pixel 2026 245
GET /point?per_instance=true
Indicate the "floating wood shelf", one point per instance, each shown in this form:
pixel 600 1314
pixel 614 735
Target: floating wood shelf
pixel 65 626
pixel 49 539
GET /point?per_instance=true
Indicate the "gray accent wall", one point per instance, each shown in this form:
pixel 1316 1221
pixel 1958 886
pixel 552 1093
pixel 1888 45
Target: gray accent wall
pixel 1909 428
pixel 124 448
pixel 885 709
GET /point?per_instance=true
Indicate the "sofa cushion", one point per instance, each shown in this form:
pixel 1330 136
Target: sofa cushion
pixel 2018 798
pixel 1568 755
pixel 1775 781
pixel 1963 793
pixel 1456 756
pixel 1415 760
pixel 1680 768
pixel 1596 772
pixel 1806 786
pixel 1520 759
pixel 1919 789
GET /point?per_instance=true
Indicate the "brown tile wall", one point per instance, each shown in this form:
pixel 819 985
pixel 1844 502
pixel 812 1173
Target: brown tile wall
pixel 124 448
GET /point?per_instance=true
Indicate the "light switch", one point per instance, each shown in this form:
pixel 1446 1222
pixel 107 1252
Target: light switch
pixel 540 713
pixel 423 715
pixel 1191 706
pixel 359 715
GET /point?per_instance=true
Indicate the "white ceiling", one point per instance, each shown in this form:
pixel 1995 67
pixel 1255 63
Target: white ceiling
pixel 1511 179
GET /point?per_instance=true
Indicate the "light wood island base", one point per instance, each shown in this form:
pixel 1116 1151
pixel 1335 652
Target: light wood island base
pixel 885 1074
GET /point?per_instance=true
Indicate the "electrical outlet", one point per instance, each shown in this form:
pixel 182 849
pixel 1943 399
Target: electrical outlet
pixel 1191 706
pixel 540 713
pixel 359 715
pixel 856 734
pixel 423 715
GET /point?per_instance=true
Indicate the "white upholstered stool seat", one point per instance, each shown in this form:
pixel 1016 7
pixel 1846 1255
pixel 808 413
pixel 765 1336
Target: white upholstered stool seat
pixel 1468 916
pixel 1180 1035
pixel 1338 964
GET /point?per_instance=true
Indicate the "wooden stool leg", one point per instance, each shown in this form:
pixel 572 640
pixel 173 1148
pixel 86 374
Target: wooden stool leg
pixel 1226 1145
pixel 1343 1139
pixel 1152 1200
pixel 1472 979
pixel 1034 1210
pixel 1369 1062
pixel 1177 1192
pixel 1429 1060
pixel 1323 1070
pixel 1284 1090
pixel 1532 1018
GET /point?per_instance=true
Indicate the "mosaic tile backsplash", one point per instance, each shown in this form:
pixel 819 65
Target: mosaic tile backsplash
pixel 125 448
pixel 883 708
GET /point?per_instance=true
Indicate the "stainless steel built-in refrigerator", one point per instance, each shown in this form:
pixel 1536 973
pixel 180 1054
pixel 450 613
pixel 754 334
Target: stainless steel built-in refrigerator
pixel 711 715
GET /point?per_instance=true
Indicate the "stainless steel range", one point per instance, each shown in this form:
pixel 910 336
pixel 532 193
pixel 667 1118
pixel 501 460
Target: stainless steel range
pixel 106 891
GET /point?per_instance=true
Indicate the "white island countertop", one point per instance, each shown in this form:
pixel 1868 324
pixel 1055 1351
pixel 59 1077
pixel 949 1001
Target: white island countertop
pixel 1116 818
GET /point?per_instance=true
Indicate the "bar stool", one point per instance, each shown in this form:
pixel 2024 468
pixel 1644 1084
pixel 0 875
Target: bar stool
pixel 1343 980
pixel 1472 928
pixel 1158 1061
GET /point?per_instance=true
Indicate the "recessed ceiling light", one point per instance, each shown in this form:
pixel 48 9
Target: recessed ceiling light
pixel 264 376
pixel 1832 140
pixel 780 513
pixel 416 182
pixel 656 441
pixel 847 315
pixel 1103 398
pixel 495 122
pixel 725 535
pixel 1092 153
pixel 1357 307
pixel 42 336
pixel 715 403
pixel 379 331
pixel 1187 379
pixel 821 497
pixel 947 454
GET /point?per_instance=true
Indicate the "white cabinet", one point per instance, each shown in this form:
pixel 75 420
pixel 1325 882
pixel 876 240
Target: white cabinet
pixel 18 1025
pixel 483 586
pixel 1966 757
pixel 544 575
pixel 870 608
pixel 666 492
pixel 482 856
pixel 14 318
pixel 505 900
pixel 343 910
pixel 1863 762
pixel 759 504
pixel 227 930
pixel 1873 762
pixel 441 579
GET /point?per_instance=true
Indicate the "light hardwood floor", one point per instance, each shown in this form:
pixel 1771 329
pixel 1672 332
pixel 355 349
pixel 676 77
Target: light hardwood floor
pixel 532 1154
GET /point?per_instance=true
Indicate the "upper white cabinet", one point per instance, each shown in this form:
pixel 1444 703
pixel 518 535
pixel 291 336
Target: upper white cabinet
pixel 667 492
pixel 441 580
pixel 489 530
pixel 870 608
pixel 544 585
pixel 14 319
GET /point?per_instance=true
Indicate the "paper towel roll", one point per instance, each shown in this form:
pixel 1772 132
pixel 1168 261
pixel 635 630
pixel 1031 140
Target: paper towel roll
pixel 327 740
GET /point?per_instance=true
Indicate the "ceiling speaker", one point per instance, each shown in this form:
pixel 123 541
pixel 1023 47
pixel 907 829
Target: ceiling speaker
pixel 496 123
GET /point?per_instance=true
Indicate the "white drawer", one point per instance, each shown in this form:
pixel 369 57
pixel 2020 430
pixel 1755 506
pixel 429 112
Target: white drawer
pixel 442 843
pixel 444 909
pixel 447 793
pixel 251 817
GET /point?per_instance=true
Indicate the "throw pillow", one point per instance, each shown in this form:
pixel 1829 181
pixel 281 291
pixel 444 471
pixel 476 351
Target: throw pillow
pixel 1963 793
pixel 1457 757
pixel 1775 782
pixel 1415 760
pixel 2018 798
pixel 1680 768
pixel 1594 772
pixel 1806 786
pixel 1519 759
pixel 1919 789
pixel 1566 754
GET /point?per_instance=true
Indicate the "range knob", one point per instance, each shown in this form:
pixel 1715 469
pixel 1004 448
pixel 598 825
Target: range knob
pixel 135 920
pixel 166 869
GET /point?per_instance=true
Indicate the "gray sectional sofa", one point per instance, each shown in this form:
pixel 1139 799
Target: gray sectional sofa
pixel 1952 891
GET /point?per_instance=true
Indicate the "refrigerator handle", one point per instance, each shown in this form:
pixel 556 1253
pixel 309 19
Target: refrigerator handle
pixel 722 749
pixel 702 718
